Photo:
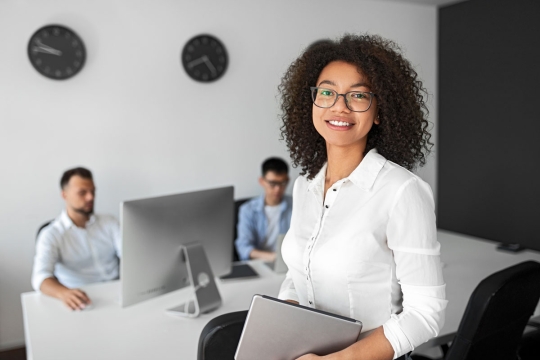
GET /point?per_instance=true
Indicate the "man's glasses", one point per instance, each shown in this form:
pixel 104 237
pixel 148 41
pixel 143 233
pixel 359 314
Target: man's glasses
pixel 357 101
pixel 280 184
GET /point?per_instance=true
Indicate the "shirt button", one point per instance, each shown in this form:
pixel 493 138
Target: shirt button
pixel 334 189
pixel 310 303
pixel 326 206
pixel 307 277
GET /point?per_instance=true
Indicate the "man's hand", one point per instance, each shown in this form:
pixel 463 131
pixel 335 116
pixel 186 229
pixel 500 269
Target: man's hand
pixel 263 255
pixel 75 299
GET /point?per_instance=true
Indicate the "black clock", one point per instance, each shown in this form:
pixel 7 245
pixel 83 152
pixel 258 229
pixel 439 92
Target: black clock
pixel 204 58
pixel 56 52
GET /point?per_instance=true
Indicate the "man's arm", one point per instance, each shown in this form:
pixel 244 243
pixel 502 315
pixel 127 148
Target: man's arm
pixel 47 255
pixel 261 254
pixel 75 299
pixel 247 233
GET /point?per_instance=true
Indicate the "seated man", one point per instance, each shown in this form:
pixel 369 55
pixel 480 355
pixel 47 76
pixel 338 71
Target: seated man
pixel 262 219
pixel 77 247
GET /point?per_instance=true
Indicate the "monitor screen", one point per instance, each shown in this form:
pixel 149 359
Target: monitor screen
pixel 154 230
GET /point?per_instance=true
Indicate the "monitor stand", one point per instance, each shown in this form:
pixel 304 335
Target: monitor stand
pixel 205 291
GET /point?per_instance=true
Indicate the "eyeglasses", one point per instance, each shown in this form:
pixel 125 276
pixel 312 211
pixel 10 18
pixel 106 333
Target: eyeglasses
pixel 357 101
pixel 280 184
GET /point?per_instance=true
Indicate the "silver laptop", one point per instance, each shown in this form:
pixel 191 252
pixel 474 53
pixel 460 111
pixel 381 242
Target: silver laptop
pixel 277 329
pixel 278 265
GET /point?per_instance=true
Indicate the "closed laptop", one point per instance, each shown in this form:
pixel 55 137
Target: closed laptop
pixel 279 330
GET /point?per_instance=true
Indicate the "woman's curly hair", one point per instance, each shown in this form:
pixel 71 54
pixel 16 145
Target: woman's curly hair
pixel 401 136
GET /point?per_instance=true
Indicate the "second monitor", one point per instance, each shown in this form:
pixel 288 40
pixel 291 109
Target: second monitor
pixel 154 230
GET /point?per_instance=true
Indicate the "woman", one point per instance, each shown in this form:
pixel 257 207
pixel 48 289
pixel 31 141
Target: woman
pixel 362 241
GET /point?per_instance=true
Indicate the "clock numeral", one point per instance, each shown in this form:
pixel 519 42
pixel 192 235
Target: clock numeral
pixel 38 61
pixel 219 50
pixel 221 59
pixel 76 63
pixel 56 31
pixel 187 57
pixel 45 34
pixel 58 73
pixel 47 69
pixel 69 71
pixel 190 48
pixel 74 43
pixel 205 77
pixel 78 53
pixel 204 41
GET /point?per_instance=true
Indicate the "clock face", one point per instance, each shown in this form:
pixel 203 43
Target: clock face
pixel 56 52
pixel 204 58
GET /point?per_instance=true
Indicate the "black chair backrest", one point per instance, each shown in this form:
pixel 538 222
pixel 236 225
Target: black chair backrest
pixel 42 227
pixel 219 338
pixel 497 313
pixel 237 204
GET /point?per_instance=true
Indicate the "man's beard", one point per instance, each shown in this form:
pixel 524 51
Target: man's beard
pixel 85 212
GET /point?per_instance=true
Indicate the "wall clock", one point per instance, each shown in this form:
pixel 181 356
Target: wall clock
pixel 56 52
pixel 204 58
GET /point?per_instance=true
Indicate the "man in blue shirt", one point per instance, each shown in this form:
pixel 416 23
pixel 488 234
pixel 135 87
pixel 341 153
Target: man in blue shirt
pixel 262 219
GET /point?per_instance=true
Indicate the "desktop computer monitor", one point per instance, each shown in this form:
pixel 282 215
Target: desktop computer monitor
pixel 154 231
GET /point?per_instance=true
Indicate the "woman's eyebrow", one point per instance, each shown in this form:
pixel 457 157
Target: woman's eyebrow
pixel 330 82
pixel 327 82
pixel 360 84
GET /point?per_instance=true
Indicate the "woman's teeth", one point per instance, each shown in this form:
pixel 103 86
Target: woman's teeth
pixel 339 123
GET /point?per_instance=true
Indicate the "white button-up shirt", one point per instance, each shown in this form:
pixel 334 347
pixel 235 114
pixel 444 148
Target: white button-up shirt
pixel 77 256
pixel 368 250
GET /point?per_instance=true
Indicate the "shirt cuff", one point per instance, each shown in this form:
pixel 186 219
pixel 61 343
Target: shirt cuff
pixel 245 251
pixel 421 319
pixel 396 337
pixel 38 279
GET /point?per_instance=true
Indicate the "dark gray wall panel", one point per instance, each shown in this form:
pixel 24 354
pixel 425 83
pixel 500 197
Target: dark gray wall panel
pixel 489 120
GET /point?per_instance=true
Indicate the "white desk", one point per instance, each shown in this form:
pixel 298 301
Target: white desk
pixel 145 331
pixel 141 331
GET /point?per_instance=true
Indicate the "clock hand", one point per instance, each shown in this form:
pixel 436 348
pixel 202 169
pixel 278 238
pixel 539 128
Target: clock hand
pixel 196 62
pixel 210 65
pixel 47 51
pixel 41 47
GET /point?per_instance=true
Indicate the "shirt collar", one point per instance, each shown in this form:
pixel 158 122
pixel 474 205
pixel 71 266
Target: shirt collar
pixel 67 222
pixel 363 176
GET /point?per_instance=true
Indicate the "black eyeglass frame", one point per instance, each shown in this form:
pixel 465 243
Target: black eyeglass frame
pixel 313 88
pixel 280 184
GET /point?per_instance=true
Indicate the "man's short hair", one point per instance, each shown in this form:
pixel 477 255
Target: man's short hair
pixel 79 171
pixel 276 165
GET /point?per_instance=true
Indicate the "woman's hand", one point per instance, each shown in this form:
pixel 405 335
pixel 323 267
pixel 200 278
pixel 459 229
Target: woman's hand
pixel 309 357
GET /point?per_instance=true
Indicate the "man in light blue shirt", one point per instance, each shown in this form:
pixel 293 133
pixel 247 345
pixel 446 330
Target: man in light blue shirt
pixel 262 219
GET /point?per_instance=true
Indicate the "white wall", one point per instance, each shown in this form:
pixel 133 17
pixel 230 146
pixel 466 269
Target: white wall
pixel 134 117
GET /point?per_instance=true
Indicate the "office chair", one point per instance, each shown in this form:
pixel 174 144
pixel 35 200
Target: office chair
pixel 529 348
pixel 219 338
pixel 496 315
pixel 237 204
pixel 42 227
